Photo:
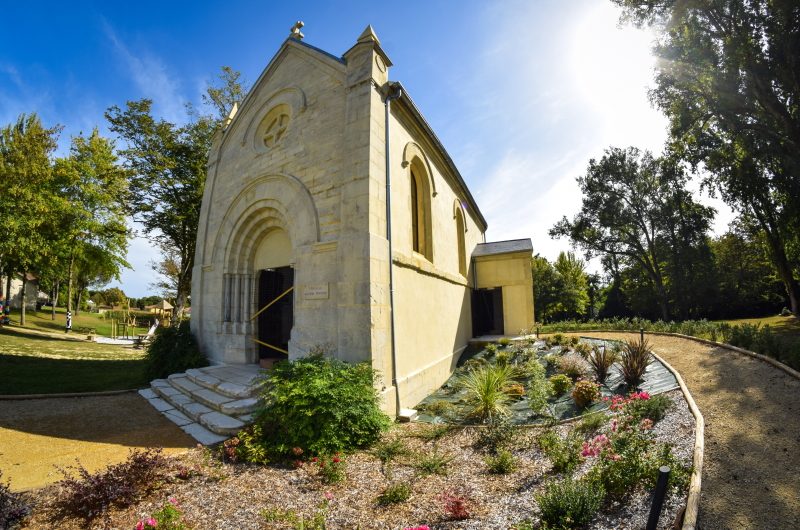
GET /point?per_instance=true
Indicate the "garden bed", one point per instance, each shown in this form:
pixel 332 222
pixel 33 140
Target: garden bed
pixel 657 379
pixel 239 496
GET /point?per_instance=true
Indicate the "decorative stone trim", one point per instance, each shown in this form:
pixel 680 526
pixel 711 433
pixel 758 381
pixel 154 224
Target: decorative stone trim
pixel 425 267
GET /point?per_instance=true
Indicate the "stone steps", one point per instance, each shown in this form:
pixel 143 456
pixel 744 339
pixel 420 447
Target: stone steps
pixel 211 404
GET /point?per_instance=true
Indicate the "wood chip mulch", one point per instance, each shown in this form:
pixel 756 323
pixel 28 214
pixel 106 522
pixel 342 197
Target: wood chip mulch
pixel 236 496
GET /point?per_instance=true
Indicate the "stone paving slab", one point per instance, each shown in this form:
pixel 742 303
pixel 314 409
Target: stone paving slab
pixel 183 384
pixel 177 417
pixel 147 393
pixel 241 406
pixel 219 422
pixel 235 390
pixel 159 404
pixel 195 410
pixel 210 398
pixel 203 435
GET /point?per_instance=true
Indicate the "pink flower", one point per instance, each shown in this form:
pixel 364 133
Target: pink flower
pixel 613 425
pixel 139 525
pixel 329 495
pixel 647 424
pixel 152 522
pixel 173 501
pixel 336 459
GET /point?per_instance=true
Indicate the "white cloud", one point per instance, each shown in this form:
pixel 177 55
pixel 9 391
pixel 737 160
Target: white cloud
pixel 151 78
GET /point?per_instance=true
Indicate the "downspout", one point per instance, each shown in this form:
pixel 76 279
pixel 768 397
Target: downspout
pixel 394 91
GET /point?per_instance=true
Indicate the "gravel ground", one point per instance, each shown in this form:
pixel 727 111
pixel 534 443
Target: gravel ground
pixel 39 435
pixel 232 496
pixel 752 436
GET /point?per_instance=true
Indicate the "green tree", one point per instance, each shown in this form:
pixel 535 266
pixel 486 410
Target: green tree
pixel 747 282
pixel 93 238
pixel 167 165
pixel 628 214
pixel 728 82
pixel 573 292
pixel 29 200
pixel 545 288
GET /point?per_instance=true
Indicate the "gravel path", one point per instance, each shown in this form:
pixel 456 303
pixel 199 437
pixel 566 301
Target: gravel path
pixel 751 475
pixel 36 435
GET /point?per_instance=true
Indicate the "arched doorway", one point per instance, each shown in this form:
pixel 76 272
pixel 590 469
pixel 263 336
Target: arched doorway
pixel 274 295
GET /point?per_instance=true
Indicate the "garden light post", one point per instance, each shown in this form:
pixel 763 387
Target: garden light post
pixel 658 498
pixel 641 334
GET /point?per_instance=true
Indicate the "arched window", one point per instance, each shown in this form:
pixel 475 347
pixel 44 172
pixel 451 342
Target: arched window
pixel 462 252
pixel 420 203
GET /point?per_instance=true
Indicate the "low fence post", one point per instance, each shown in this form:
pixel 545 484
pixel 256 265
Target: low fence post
pixel 658 497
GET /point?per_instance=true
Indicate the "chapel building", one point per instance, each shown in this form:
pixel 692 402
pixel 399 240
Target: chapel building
pixel 292 249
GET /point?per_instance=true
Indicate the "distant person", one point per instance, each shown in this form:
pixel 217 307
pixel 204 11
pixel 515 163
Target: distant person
pixel 69 322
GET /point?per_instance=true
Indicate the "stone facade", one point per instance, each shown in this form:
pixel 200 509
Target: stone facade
pixel 298 178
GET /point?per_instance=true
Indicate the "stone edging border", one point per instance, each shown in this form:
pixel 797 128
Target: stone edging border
pixel 65 395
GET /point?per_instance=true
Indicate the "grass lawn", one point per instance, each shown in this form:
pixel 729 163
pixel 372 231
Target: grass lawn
pixel 37 364
pixel 787 327
pixel 43 321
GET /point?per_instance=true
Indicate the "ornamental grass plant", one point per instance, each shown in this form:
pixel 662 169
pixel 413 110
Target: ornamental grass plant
pixel 635 358
pixel 486 387
pixel 601 358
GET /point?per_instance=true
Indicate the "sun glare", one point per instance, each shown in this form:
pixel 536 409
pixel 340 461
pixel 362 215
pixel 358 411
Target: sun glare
pixel 611 68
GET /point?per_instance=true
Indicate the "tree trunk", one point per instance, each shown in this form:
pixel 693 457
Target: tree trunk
pixel 78 301
pixel 69 284
pixel 22 304
pixel 777 252
pixel 8 287
pixel 54 301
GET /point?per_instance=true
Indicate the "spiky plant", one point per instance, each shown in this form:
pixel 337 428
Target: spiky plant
pixel 486 388
pixel 601 358
pixel 636 356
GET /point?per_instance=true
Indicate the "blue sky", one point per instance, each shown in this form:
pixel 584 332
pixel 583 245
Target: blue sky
pixel 521 93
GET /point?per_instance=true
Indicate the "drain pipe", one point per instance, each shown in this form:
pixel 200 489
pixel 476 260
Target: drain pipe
pixel 394 91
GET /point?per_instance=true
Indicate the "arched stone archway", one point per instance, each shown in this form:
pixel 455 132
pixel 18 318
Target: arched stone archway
pixel 268 207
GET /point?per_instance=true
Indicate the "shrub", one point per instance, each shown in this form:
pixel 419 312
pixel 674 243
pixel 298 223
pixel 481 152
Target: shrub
pixel 91 495
pixel 601 358
pixel 173 350
pixel 496 435
pixel 564 453
pixel 167 518
pixel 653 408
pixel 569 503
pixel 455 506
pixel 433 433
pixel 389 450
pixel 573 365
pixel 636 356
pixel 13 508
pixel 249 446
pixel 330 468
pixel 433 464
pixel 503 357
pixel 440 407
pixel 560 384
pixel 491 349
pixel 585 393
pixel 583 349
pixel 539 388
pixel 505 341
pixel 321 405
pixel 502 463
pixel 395 494
pixel 555 340
pixel 486 395
pixel 590 423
